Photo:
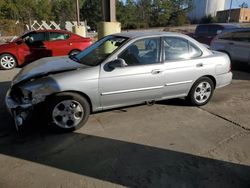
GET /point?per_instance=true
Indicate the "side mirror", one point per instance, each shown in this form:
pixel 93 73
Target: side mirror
pixel 117 63
pixel 29 40
pixel 19 41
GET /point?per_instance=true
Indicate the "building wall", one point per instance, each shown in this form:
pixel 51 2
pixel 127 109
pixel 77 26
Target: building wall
pixel 237 15
pixel 244 15
pixel 203 8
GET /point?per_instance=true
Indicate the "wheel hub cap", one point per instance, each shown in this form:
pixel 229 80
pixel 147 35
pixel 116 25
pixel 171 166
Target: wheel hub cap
pixel 202 92
pixel 68 114
pixel 7 62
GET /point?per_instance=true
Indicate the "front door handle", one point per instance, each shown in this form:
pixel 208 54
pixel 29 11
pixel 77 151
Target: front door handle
pixel 156 71
pixel 199 65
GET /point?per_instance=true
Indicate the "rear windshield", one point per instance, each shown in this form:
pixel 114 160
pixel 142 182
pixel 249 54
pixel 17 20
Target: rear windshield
pixel 241 36
pixel 208 29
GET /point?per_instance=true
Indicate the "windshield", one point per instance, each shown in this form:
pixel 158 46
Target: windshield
pixel 99 51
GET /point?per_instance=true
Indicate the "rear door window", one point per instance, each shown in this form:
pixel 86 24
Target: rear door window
pixel 194 51
pixel 209 30
pixel 58 36
pixel 241 36
pixel 226 36
pixel 178 49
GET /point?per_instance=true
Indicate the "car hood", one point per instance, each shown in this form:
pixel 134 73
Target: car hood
pixel 45 66
pixel 7 45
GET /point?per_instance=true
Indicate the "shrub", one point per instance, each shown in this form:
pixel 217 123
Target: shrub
pixel 178 19
pixel 10 27
pixel 208 19
pixel 129 25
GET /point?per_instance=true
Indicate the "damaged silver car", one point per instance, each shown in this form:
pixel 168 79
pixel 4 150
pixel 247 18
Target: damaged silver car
pixel 118 70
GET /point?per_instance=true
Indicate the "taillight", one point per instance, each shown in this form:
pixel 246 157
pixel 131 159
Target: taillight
pixel 230 63
pixel 230 66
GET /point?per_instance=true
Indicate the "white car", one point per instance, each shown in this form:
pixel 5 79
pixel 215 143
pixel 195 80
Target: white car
pixel 236 43
pixel 118 70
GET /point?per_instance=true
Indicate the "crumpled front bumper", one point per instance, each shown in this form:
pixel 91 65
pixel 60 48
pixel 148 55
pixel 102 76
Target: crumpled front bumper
pixel 20 112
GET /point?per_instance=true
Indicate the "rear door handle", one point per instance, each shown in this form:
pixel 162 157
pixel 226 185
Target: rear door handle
pixel 231 43
pixel 156 71
pixel 199 65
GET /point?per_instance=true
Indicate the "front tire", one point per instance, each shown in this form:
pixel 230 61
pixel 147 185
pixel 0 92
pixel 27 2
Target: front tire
pixel 7 62
pixel 68 111
pixel 201 92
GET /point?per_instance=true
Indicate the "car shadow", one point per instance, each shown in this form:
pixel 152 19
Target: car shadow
pixel 4 88
pixel 175 102
pixel 7 127
pixel 241 71
pixel 240 75
pixel 240 66
pixel 120 162
pixel 126 163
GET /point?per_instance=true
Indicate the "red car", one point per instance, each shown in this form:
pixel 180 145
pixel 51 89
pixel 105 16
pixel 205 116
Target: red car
pixel 38 44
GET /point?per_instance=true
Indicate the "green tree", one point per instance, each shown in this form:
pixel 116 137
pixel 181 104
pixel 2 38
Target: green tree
pixel 131 13
pixel 43 10
pixel 178 18
pixel 160 13
pixel 208 19
pixel 91 12
pixel 8 10
pixel 64 10
pixel 120 8
pixel 144 11
pixel 25 10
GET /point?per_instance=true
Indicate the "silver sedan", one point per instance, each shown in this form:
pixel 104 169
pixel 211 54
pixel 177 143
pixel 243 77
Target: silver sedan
pixel 118 70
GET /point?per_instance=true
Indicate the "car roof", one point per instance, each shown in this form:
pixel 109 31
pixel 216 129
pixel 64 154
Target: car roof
pixel 50 30
pixel 225 25
pixel 231 30
pixel 139 34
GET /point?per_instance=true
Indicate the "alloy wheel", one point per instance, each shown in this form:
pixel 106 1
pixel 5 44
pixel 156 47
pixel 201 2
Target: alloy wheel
pixel 202 92
pixel 7 62
pixel 68 114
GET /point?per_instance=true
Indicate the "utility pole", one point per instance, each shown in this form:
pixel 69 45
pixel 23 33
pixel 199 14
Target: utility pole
pixel 230 10
pixel 77 12
pixel 78 28
pixel 109 10
pixel 109 25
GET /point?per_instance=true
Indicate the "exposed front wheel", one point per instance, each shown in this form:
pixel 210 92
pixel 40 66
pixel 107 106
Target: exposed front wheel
pixel 7 62
pixel 201 92
pixel 69 111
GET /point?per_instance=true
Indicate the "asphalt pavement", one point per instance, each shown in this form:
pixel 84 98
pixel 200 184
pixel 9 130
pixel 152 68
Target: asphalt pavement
pixel 169 144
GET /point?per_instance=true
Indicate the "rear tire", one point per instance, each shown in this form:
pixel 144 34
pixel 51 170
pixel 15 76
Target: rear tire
pixel 201 92
pixel 7 62
pixel 68 111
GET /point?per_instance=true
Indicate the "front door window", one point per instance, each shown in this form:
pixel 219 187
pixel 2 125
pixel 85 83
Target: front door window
pixel 142 52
